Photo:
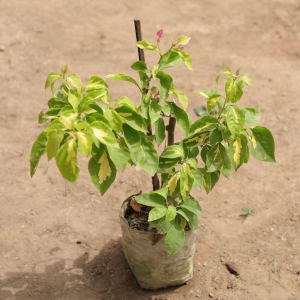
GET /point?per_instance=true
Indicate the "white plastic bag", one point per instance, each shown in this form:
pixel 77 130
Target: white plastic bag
pixel 149 261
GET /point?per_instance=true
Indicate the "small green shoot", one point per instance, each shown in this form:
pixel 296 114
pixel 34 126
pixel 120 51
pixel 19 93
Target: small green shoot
pixel 247 212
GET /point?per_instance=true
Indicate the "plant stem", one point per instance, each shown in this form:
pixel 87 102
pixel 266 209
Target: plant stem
pixel 138 32
pixel 171 130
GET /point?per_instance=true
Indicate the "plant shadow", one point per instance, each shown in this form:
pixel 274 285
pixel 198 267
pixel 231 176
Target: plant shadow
pixel 106 276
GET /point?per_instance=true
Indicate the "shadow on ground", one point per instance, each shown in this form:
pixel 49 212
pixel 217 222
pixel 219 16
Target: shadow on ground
pixel 106 276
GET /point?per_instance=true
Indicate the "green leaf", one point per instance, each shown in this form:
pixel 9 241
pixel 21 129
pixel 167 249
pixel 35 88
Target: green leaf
pixel 214 178
pixel 168 60
pixel 54 139
pixel 246 78
pixel 213 101
pixel 68 118
pixel 64 69
pixel 66 160
pixel 226 134
pixel 183 99
pixel 206 93
pixel 185 57
pixel 144 107
pixel 51 78
pixel 204 124
pixel 74 98
pixel 133 139
pixel 147 157
pixel 226 170
pixel 207 184
pixel 103 172
pixel 82 125
pixel 144 80
pixel 181 117
pixel 165 84
pixel 175 238
pixel 95 83
pixel 127 101
pixel 215 158
pixel 123 77
pixel 228 86
pixel 171 213
pixel 97 108
pixel 146 45
pixel 115 120
pixel 186 180
pixel 49 115
pixel 198 178
pixel 160 131
pixel 204 152
pixel 246 159
pixel 90 98
pixel 236 92
pixel 140 66
pixel 56 103
pixel 154 111
pixel 183 40
pixel 151 199
pixel 119 157
pixel 62 92
pixel 103 134
pixel 163 226
pixel 75 81
pixel 167 164
pixel 215 136
pixel 235 120
pixel 157 213
pixel 237 151
pixel 252 116
pixel 192 205
pixel 190 217
pixel 97 117
pixel 85 142
pixel 173 151
pixel 181 221
pixel 201 111
pixel 193 152
pixel 227 71
pixel 55 125
pixel 154 71
pixel 262 144
pixel 132 118
pixel 37 150
pixel 195 140
pixel 173 183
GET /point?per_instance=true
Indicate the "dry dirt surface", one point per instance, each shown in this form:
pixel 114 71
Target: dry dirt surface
pixel 62 241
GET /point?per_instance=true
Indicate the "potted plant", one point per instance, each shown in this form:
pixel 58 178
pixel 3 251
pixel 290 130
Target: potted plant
pixel 115 133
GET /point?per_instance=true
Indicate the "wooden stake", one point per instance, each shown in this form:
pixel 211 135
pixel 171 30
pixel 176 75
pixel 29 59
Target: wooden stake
pixel 138 33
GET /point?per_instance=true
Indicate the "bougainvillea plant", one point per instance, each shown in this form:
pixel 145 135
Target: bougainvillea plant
pixel 115 133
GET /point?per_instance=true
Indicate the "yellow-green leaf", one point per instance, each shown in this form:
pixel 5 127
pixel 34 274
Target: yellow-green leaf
pixel 172 184
pixel 85 142
pixel 66 160
pixel 103 172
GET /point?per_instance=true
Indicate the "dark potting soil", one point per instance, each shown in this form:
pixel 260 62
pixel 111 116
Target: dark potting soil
pixel 137 216
pixel 138 220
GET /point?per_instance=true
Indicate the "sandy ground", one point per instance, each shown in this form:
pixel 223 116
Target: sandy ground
pixel 62 241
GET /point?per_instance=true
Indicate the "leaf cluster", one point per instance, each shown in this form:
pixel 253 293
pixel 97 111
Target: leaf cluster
pixel 115 133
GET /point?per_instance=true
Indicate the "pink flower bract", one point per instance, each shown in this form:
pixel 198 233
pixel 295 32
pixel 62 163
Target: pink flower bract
pixel 154 95
pixel 159 34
